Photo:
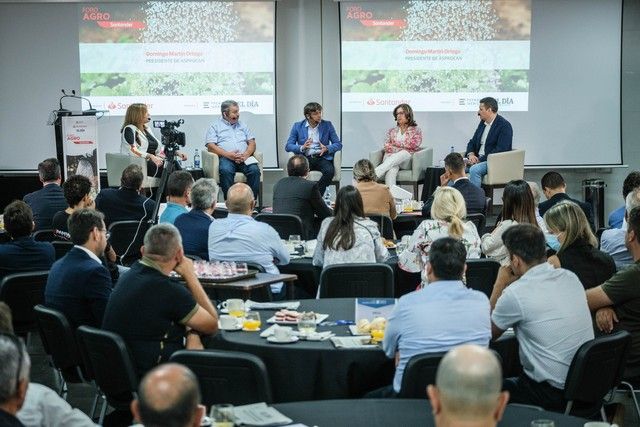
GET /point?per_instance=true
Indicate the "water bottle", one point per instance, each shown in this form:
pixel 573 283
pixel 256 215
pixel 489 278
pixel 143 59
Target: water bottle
pixel 196 159
pixel 327 197
pixel 452 149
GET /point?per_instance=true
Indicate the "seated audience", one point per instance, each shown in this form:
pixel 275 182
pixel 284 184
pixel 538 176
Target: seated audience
pixel 440 316
pixel 23 253
pixel 154 313
pixel 45 202
pixel 617 301
pixel 194 225
pixel 517 207
pixel 178 195
pixel 474 196
pixel 555 190
pixel 239 237
pixel 448 212
pixel 631 182
pixel 349 237
pixel 376 198
pixel 79 285
pixel 125 203
pixel 295 195
pixel 612 241
pixel 168 396
pixel 468 388
pixel 578 250
pixel 77 193
pixel 547 309
pixel 537 195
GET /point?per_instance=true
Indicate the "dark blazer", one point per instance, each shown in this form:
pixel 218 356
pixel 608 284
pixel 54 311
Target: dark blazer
pixel 498 140
pixel 79 287
pixel 45 203
pixel 298 196
pixel 592 266
pixel 474 198
pixel 25 254
pixel 194 229
pixel 328 136
pixel 123 204
pixel 559 197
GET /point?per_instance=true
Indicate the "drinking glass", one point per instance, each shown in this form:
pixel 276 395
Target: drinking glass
pixel 222 415
pixel 252 321
pixel 307 323
pixel 296 242
pixel 235 307
pixel 542 423
pixel 377 335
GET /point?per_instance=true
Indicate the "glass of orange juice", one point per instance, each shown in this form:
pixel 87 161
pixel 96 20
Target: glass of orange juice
pixel 377 335
pixel 252 321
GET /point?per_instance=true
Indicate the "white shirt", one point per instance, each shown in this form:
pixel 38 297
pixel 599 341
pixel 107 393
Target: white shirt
pixel 483 138
pixel 314 134
pixel 44 408
pixel 91 254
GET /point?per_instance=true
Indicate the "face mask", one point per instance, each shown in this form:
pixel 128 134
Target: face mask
pixel 552 242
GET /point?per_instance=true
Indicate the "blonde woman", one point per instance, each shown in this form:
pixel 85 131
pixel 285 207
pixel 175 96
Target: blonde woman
pixel 447 220
pixel 376 198
pixel 578 250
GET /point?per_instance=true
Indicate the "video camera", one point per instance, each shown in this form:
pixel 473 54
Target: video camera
pixel 172 139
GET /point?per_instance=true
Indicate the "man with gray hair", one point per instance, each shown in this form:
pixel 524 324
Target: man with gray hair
pixel 14 378
pixel 467 389
pixel 152 312
pixel 194 225
pixel 234 144
pixel 612 240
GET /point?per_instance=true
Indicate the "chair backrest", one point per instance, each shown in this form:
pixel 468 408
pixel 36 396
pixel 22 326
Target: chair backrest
pixel 596 368
pixel 126 239
pixel 284 224
pixel 22 292
pixel 61 247
pixel 385 225
pixel 227 376
pixel 504 167
pixel 481 274
pixel 116 163
pixel 48 235
pixel 419 372
pixel 479 220
pixel 108 358
pixel 357 280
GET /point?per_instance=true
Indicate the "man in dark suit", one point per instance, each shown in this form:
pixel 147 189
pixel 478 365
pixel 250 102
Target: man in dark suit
pixel 297 196
pixel 493 135
pixel 79 285
pixel 555 190
pixel 23 253
pixel 194 225
pixel 49 199
pixel 125 203
pixel 454 171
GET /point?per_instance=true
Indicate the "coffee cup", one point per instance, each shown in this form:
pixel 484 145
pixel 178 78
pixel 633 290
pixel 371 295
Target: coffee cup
pixel 598 424
pixel 228 322
pixel 283 333
pixel 234 306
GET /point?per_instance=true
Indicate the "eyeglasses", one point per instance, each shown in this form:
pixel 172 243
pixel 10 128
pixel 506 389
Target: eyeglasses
pixel 18 343
pixel 107 235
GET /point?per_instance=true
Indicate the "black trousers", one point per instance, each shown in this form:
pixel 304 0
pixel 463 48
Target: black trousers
pixel 523 389
pixel 325 167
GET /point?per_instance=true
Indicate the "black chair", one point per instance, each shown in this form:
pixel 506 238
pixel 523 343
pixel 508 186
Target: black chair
pixel 45 235
pixel 595 371
pixel 419 372
pixel 220 213
pixel 127 238
pixel 479 220
pixel 108 358
pixel 61 248
pixel 22 292
pixel 357 280
pixel 385 225
pixel 227 376
pixel 285 224
pixel 481 274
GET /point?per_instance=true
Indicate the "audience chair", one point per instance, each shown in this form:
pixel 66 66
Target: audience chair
pixel 47 235
pixel 211 169
pixel 61 247
pixel 479 220
pixel 481 274
pixel 22 292
pixel 116 163
pixel 285 224
pixel 127 237
pixel 108 358
pixel 412 171
pixel 418 374
pixel 220 213
pixel 357 280
pixel 385 225
pixel 502 168
pixel 595 371
pixel 227 376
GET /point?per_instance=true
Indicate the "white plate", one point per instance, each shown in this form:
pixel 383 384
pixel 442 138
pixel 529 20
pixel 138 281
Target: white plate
pixel 319 319
pixel 274 340
pixel 354 331
pixel 235 328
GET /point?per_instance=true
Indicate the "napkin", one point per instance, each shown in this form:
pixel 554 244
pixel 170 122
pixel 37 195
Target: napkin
pixel 289 305
pixel 259 414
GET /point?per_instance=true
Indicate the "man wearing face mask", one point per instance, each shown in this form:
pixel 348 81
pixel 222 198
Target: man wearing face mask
pixel 234 144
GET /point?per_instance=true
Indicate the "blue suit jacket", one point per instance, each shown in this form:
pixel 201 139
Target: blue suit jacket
pixel 45 203
pixel 25 254
pixel 328 136
pixel 498 140
pixel 79 287
pixel 194 229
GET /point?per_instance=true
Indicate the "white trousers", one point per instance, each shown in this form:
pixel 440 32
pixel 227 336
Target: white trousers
pixel 390 166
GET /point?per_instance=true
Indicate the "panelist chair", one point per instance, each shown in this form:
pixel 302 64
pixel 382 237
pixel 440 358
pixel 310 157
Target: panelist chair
pixel 412 171
pixel 117 162
pixel 502 168
pixel 211 169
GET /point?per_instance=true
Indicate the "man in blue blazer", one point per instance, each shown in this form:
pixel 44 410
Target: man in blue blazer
pixel 194 225
pixel 493 135
pixel 49 199
pixel 317 140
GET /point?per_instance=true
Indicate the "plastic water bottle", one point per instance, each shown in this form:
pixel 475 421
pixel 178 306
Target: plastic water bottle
pixel 196 160
pixel 452 149
pixel 327 197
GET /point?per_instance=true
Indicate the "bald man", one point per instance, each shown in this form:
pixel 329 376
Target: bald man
pixel 168 396
pixel 467 390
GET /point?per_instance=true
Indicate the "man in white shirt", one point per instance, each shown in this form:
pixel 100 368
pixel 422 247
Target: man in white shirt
pixel 612 240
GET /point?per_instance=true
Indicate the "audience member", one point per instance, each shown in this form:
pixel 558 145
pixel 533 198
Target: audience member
pixel 555 190
pixel 14 378
pixel 23 253
pixel 474 197
pixel 239 237
pixel 612 241
pixel 376 198
pixel 153 312
pixel 578 250
pixel 617 301
pixel 547 308
pixel 168 396
pixel 517 207
pixel 79 285
pixel 49 199
pixel 468 388
pixel 194 225
pixel 178 196
pixel 631 182
pixel 440 316
pixel 349 237
pixel 448 212
pixel 77 193
pixel 295 195
pixel 125 203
